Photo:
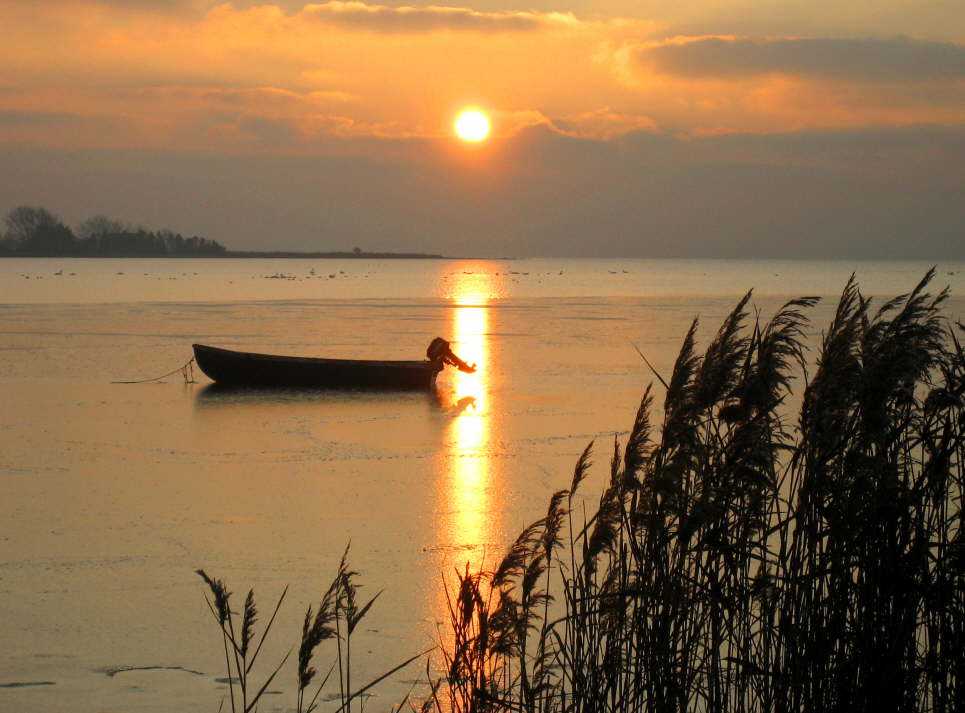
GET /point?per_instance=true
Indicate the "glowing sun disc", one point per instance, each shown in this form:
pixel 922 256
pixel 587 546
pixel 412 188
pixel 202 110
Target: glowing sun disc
pixel 472 125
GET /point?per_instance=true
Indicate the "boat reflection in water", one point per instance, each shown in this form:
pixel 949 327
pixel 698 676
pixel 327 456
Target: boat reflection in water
pixel 214 395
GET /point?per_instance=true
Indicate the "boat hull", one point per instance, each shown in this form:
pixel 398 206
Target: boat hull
pixel 225 366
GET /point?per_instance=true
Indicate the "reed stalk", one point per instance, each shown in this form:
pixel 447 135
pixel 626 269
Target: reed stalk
pixel 336 617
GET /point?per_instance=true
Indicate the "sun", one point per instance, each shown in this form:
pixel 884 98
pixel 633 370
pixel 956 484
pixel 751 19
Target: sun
pixel 472 125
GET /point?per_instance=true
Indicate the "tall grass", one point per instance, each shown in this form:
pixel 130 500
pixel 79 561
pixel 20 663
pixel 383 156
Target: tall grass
pixel 739 562
pixel 335 618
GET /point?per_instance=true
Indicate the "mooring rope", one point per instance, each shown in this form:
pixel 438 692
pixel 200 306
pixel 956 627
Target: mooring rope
pixel 187 371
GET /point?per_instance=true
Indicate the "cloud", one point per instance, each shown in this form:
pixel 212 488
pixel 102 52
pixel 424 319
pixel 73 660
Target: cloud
pixel 242 129
pixel 893 59
pixel 57 129
pixel 341 68
pixel 383 19
pixel 166 5
pixel 269 130
pixel 603 124
pixel 50 119
pixel 871 141
pixel 258 97
pixel 160 7
pixel 13 117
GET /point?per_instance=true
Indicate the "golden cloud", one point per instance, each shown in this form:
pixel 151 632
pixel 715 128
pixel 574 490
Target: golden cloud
pixel 262 73
pixel 381 18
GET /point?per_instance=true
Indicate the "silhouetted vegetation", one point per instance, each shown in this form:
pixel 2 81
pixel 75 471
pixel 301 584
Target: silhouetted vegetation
pixel 333 255
pixel 335 619
pixel 35 232
pixel 737 563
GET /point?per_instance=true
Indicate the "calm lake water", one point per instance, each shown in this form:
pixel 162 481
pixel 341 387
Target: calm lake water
pixel 113 494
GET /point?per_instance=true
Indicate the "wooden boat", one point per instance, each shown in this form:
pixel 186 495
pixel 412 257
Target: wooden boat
pixel 225 366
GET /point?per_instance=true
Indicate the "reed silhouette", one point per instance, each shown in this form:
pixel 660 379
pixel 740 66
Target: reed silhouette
pixel 740 562
pixel 336 617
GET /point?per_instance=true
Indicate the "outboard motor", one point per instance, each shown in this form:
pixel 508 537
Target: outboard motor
pixel 439 351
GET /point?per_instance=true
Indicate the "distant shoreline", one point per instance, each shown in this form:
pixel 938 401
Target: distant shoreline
pixel 335 255
pixel 244 254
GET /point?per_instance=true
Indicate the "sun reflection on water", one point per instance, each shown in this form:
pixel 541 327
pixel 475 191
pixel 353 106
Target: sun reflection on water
pixel 469 434
pixel 468 488
pixel 469 513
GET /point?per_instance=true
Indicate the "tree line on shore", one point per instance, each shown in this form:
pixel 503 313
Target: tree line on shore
pixel 36 232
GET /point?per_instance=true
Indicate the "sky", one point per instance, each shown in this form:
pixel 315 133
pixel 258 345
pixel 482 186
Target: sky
pixel 698 128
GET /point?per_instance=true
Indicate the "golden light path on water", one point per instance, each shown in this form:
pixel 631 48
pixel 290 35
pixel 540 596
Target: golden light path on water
pixel 469 516
pixel 469 433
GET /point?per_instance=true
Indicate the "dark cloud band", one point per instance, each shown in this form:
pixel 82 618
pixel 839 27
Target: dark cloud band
pixel 881 60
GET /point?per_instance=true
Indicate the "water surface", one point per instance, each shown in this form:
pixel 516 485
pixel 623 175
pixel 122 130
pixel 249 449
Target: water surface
pixel 115 493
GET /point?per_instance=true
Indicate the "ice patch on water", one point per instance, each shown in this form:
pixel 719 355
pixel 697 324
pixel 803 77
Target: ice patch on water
pixel 24 684
pixel 111 671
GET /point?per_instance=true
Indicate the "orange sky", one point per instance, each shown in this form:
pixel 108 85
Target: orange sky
pixel 329 79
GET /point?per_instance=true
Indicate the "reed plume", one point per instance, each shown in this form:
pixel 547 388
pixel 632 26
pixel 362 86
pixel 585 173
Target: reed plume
pixel 337 610
pixel 238 662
